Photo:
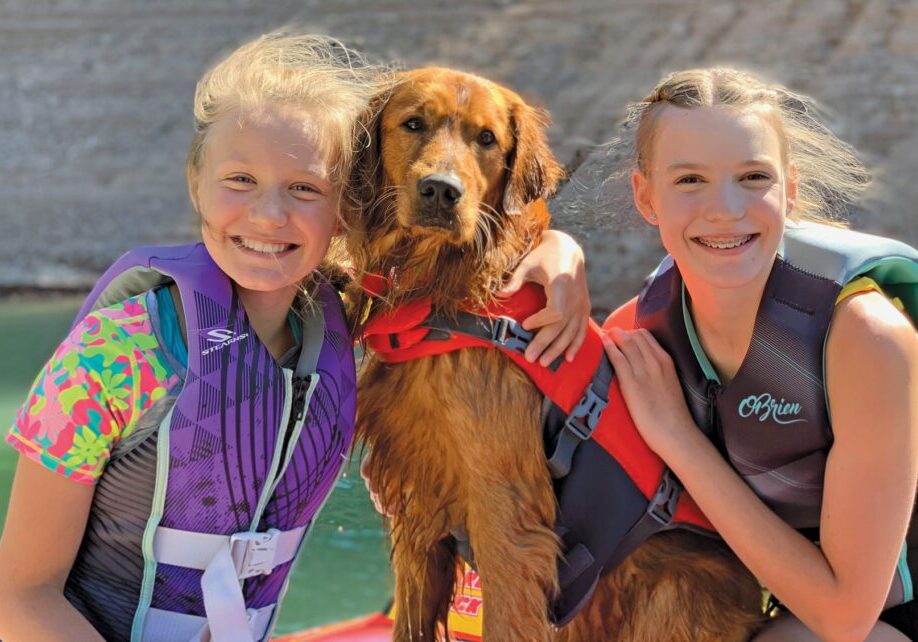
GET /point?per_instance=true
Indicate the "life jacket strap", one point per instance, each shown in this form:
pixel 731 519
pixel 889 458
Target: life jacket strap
pixel 161 625
pixel 227 559
pixel 581 421
pixel 252 553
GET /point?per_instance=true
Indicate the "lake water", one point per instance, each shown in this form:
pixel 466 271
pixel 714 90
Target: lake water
pixel 344 570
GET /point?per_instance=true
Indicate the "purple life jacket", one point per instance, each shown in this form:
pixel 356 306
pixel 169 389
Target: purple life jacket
pixel 198 517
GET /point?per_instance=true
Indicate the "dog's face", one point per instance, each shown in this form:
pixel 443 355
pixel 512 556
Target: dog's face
pixel 455 148
pixel 445 139
pixel 444 186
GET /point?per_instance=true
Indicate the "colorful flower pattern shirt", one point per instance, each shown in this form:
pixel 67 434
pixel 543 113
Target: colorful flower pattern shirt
pixel 107 372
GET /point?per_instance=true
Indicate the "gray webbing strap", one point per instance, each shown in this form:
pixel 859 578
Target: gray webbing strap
pixel 502 332
pixel 313 337
pixel 582 420
pixel 658 517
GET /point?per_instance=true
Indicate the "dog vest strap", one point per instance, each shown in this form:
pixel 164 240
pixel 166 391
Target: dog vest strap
pixel 658 517
pixel 582 421
pixel 507 334
pixel 502 332
pixel 576 560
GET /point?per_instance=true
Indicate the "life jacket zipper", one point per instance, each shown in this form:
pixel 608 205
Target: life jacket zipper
pixel 297 410
pixel 716 431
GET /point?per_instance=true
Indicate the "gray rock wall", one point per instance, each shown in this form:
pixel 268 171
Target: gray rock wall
pixel 95 102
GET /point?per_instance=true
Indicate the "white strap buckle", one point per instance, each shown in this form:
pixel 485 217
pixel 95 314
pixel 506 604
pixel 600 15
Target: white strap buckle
pixel 254 553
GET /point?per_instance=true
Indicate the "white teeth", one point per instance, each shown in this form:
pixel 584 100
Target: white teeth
pixel 258 246
pixel 724 243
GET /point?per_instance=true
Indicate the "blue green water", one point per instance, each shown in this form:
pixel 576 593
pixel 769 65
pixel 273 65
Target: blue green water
pixel 344 569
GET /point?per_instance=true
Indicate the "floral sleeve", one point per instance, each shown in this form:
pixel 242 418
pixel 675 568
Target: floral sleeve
pixel 105 374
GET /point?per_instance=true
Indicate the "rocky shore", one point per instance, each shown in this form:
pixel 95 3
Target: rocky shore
pixel 95 102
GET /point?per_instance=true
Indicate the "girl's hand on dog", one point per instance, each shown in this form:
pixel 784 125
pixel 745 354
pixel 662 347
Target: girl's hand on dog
pixel 557 264
pixel 650 387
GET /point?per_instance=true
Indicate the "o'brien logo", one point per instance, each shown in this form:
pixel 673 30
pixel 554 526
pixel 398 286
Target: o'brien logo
pixel 765 407
pixel 222 337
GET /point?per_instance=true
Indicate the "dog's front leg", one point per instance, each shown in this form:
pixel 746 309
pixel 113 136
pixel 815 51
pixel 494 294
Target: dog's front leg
pixel 516 561
pixel 424 578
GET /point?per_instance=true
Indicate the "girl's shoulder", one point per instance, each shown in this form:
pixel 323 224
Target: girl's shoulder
pixel 106 373
pixel 866 320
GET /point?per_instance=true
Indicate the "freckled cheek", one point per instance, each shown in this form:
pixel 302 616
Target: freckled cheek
pixel 317 221
pixel 772 200
pixel 223 206
pixel 678 206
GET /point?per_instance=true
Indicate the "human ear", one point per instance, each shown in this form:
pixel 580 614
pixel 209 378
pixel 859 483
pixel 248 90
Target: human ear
pixel 791 183
pixel 640 189
pixel 191 175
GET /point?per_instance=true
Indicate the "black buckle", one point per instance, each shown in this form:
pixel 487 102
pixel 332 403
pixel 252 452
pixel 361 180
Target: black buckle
pixel 508 334
pixel 589 407
pixel 663 505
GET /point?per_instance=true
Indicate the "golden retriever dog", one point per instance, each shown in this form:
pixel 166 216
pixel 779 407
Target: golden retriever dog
pixel 448 196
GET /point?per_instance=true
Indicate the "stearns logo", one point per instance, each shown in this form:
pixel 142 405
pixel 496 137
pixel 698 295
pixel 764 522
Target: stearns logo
pixel 222 337
pixel 765 407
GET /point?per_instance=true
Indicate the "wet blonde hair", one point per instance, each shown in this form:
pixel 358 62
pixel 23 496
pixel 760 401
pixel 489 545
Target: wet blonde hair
pixel 830 176
pixel 316 75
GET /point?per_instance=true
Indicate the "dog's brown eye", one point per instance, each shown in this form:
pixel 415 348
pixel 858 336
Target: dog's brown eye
pixel 486 138
pixel 413 124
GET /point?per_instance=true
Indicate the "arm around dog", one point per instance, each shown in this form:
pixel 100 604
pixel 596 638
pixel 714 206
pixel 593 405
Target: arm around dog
pixel 558 265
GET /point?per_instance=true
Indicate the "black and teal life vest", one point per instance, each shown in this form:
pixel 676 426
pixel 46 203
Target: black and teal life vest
pixel 772 420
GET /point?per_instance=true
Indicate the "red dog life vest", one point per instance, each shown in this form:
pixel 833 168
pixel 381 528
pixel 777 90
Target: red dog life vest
pixel 613 491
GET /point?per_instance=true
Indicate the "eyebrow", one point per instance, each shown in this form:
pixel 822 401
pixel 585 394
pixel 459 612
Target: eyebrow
pixel 763 160
pixel 233 163
pixel 680 166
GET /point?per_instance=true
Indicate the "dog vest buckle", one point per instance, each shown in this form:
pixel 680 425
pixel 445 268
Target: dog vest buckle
pixel 662 507
pixel 589 407
pixel 508 334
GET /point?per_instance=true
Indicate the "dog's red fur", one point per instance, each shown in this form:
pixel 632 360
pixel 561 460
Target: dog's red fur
pixel 455 440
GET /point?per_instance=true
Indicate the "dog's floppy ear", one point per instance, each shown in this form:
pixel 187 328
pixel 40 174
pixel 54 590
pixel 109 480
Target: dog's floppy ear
pixel 532 171
pixel 365 178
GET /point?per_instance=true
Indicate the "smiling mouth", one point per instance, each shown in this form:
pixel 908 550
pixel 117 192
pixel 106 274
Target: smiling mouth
pixel 262 247
pixel 725 242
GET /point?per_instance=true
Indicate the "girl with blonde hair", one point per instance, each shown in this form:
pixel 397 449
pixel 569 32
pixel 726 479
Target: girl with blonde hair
pixel 775 368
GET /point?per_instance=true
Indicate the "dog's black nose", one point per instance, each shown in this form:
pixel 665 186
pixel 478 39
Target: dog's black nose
pixel 440 191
